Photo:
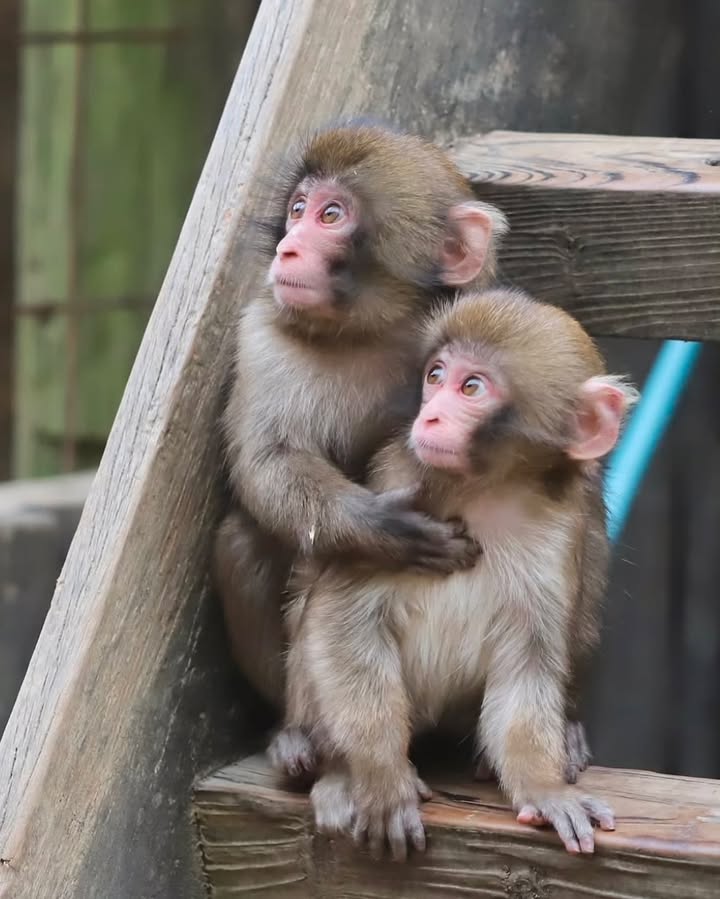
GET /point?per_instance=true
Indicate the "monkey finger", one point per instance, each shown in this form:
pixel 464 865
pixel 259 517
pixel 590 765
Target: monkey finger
pixel 414 828
pixel 423 790
pixel 360 828
pixel 530 814
pixel 599 811
pixel 376 837
pixel 559 819
pixel 396 835
pixel 572 772
pixel 582 825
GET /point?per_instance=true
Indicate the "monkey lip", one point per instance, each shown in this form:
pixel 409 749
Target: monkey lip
pixel 432 454
pixel 293 292
pixel 292 282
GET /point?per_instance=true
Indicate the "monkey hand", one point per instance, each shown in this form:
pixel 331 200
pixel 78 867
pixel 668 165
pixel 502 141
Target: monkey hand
pixel 333 805
pixel 572 815
pixel 292 754
pixel 416 541
pixel 390 814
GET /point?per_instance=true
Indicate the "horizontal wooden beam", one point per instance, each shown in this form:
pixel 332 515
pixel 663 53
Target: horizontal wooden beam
pixel 257 839
pixel 623 232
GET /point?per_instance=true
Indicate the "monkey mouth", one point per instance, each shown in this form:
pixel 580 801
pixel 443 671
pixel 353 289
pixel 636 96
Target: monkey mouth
pixel 292 282
pixel 433 448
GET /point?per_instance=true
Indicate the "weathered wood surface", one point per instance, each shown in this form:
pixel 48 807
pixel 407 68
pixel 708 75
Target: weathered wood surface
pixel 622 232
pixel 37 521
pixel 129 692
pixel 257 839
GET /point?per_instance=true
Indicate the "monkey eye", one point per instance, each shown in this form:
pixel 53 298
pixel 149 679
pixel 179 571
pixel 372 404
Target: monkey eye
pixel 297 208
pixel 331 213
pixel 436 374
pixel 474 385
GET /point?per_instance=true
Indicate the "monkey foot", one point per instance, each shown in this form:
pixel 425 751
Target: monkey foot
pixel 572 819
pixel 578 755
pixel 332 803
pixel 292 754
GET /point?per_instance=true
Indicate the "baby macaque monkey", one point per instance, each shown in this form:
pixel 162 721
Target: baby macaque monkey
pixel 370 228
pixel 517 411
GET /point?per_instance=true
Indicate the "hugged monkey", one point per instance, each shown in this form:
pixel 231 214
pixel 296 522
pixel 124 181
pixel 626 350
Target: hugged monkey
pixel 517 411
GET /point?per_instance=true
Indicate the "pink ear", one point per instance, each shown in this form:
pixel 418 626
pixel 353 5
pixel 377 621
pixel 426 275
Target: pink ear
pixel 603 403
pixel 465 253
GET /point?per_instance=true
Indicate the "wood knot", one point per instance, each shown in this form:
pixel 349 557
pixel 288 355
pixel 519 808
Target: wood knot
pixel 714 160
pixel 527 884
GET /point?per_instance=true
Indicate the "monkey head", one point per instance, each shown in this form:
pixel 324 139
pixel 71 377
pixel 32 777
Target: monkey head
pixel 373 223
pixel 514 384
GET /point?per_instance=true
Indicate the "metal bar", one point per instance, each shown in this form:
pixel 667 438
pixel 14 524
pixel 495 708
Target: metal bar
pixel 627 466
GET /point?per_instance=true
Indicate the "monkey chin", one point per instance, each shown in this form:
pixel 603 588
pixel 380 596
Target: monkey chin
pixel 436 456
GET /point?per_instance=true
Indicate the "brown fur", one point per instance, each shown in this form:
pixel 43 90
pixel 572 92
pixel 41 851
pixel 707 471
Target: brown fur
pixel 313 398
pixel 383 655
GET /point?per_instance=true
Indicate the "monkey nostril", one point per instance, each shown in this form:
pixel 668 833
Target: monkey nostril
pixel 288 254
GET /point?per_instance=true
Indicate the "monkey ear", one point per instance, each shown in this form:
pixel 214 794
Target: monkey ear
pixel 603 404
pixel 466 248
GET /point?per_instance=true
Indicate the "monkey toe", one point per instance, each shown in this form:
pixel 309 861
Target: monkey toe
pixel 599 812
pixel 292 754
pixel 332 804
pixel 423 790
pixel 578 755
pixel 571 818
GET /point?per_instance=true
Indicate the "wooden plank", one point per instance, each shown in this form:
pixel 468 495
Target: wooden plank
pixel 622 232
pixel 257 839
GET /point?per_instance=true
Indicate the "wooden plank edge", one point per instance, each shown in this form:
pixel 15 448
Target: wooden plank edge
pixel 482 810
pixel 590 162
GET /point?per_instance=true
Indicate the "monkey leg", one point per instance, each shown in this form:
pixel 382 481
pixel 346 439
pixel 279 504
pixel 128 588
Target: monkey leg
pixel 522 728
pixel 291 751
pixel 364 716
pixel 251 573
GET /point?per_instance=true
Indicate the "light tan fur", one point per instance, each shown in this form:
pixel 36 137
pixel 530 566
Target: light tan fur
pixel 314 395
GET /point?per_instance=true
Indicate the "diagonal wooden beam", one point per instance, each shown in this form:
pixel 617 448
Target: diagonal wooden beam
pixel 623 232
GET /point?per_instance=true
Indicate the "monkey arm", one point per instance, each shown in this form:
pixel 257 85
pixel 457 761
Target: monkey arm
pixel 307 502
pixel 522 728
pixel 521 724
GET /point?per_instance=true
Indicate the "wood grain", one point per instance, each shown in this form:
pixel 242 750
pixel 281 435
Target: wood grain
pixel 257 840
pixel 622 232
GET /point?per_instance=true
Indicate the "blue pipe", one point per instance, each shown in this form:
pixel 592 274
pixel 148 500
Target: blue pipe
pixel 632 456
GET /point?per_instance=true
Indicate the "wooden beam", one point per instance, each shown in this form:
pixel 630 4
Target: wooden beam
pixel 622 232
pixel 257 839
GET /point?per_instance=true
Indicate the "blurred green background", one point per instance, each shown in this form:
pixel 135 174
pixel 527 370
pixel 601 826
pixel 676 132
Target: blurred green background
pixel 117 104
